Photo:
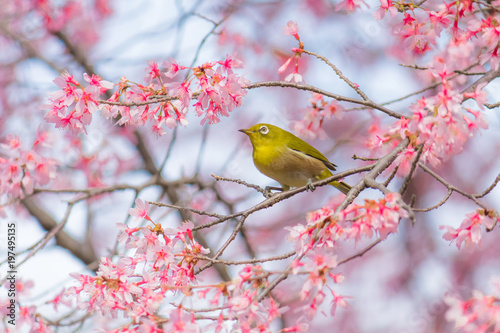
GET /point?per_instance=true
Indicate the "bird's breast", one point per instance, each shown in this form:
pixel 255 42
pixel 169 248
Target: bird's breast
pixel 288 167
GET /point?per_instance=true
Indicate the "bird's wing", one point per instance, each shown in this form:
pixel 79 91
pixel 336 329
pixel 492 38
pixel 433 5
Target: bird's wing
pixel 302 146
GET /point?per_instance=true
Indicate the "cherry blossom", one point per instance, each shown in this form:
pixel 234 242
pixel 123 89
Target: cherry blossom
pixel 21 170
pixel 476 314
pixel 350 5
pixel 469 231
pixel 292 29
pixel 385 6
pixel 140 211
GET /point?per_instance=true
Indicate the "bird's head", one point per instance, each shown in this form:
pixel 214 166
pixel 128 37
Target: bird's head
pixel 264 134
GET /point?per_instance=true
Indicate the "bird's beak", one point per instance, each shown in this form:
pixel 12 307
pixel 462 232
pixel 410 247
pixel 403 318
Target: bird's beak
pixel 246 131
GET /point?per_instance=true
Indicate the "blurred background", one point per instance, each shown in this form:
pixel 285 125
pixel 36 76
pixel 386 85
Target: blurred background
pixel 398 286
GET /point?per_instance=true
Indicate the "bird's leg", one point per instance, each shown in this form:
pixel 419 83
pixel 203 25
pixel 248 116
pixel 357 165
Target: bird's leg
pixel 309 185
pixel 268 189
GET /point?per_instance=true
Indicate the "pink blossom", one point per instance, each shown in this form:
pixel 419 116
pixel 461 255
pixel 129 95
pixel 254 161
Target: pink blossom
pixel 43 138
pixel 380 216
pixel 21 170
pixel 385 6
pixel 311 124
pixel 338 300
pixel 140 211
pixel 230 62
pixel 469 230
pixel 98 82
pixel 404 161
pixel 285 65
pixel 61 298
pixel 479 313
pixel 401 127
pixel 294 77
pixel 478 122
pixel 302 327
pixel 73 106
pixel 154 71
pixel 478 95
pixel 172 68
pixel 439 20
pixel 292 29
pixel 220 90
pixel 350 5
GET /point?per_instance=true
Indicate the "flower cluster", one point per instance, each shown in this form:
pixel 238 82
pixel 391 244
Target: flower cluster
pixel 27 315
pixel 420 27
pixel 220 89
pixel 136 286
pixel 72 107
pixel 311 124
pixel 161 271
pixel 21 170
pixel 469 230
pixel 440 124
pixel 479 314
pixel 292 29
pixel 350 5
pixel 162 101
pixel 325 230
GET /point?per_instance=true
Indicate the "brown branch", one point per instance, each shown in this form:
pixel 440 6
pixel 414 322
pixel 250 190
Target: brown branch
pixel 85 253
pixel 246 262
pixel 238 181
pixel 486 78
pixel 492 106
pixel 221 250
pixel 414 163
pixel 189 209
pixel 306 87
pixel 439 204
pixel 77 54
pixel 361 253
pixel 432 86
pixel 489 188
pixel 337 71
pixel 451 187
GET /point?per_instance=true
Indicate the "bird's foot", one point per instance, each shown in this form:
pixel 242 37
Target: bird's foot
pixel 309 185
pixel 268 191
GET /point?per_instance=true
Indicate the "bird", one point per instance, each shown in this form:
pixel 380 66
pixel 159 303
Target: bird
pixel 289 160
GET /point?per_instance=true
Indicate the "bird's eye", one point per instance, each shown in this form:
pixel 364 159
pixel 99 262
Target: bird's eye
pixel 264 129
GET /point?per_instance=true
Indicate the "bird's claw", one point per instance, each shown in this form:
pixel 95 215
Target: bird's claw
pixel 268 191
pixel 309 185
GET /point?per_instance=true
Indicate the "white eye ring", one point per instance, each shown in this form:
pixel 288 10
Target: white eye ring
pixel 264 129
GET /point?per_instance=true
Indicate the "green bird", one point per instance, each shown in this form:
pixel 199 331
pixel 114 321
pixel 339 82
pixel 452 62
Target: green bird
pixel 289 160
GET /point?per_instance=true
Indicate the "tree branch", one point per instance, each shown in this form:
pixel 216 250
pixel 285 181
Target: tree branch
pixel 306 87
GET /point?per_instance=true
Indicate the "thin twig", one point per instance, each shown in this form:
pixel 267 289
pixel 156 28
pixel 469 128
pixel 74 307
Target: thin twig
pixel 238 181
pixel 337 71
pixel 307 87
pixel 361 253
pixel 51 234
pixel 450 186
pixel 489 188
pixel 202 149
pixel 439 204
pixel 406 183
pixel 192 210
pixel 169 150
pixel 245 262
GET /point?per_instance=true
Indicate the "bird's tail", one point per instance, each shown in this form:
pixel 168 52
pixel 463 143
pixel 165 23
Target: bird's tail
pixel 341 186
